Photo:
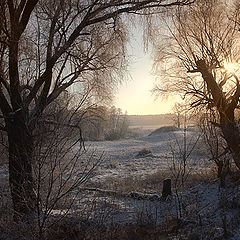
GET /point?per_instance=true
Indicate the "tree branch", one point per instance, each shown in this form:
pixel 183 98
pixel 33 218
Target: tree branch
pixel 30 5
pixel 218 97
pixel 4 105
pixel 3 128
pixel 59 124
pixel 235 98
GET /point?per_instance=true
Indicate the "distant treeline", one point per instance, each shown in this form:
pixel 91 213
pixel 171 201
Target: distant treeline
pixel 146 120
pixel 102 123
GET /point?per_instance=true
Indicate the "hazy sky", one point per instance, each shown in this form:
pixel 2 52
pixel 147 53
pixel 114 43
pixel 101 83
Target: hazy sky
pixel 135 96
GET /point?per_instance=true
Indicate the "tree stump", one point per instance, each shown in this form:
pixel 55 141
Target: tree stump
pixel 167 189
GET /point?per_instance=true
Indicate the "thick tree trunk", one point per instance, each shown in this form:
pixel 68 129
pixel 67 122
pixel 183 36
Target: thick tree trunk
pixel 20 166
pixel 225 108
pixel 231 133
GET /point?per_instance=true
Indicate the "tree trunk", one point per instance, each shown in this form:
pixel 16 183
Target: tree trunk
pixel 231 134
pixel 20 166
pixel 229 127
pixel 167 188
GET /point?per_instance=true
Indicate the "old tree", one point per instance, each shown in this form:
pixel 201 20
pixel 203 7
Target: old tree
pixel 45 47
pixel 202 48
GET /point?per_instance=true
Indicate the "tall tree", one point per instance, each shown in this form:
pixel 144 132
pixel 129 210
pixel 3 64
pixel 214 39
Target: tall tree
pixel 204 46
pixel 45 47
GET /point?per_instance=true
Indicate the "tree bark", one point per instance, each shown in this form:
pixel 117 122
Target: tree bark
pixel 231 134
pixel 229 127
pixel 167 188
pixel 20 166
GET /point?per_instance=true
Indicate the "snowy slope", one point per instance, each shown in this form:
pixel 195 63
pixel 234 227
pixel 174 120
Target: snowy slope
pixel 120 157
pixel 205 209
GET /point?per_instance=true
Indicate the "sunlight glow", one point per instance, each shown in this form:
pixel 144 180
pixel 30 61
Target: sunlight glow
pixel 231 67
pixel 135 96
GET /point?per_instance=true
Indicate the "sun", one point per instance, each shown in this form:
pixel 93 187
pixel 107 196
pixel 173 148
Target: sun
pixel 231 67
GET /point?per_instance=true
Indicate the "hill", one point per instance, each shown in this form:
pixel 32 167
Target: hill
pixel 148 120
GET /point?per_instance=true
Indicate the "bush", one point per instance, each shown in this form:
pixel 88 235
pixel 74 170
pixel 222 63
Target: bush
pixel 144 152
pixel 113 135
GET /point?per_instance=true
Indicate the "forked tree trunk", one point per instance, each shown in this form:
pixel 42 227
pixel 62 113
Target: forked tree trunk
pixel 225 108
pixel 20 166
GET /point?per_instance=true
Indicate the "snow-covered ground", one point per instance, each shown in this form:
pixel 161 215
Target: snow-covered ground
pixel 120 157
pixel 205 210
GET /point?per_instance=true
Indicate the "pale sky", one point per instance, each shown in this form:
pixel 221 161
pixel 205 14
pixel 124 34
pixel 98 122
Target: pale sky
pixel 135 96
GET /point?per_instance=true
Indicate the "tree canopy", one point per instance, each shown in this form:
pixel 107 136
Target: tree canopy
pixel 46 47
pixel 203 50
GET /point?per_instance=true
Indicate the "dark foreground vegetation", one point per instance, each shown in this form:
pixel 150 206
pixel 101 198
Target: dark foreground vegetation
pixel 60 62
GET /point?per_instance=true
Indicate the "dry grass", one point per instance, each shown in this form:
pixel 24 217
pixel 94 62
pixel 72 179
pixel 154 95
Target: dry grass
pixel 91 231
pixel 152 183
pixel 75 228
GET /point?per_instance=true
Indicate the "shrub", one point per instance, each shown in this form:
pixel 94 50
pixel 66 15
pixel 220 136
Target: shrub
pixel 144 152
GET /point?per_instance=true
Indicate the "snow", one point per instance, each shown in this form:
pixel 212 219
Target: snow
pixel 120 157
pixel 202 208
pixel 205 209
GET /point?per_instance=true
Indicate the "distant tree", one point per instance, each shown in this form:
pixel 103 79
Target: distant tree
pixel 45 47
pixel 178 110
pixel 116 124
pixel 101 122
pixel 93 121
pixel 203 45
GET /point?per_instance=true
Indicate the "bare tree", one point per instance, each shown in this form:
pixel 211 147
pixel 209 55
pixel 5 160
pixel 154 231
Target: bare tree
pixel 204 42
pixel 180 114
pixel 117 124
pixel 216 145
pixel 45 47
pixel 180 165
pixel 61 168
